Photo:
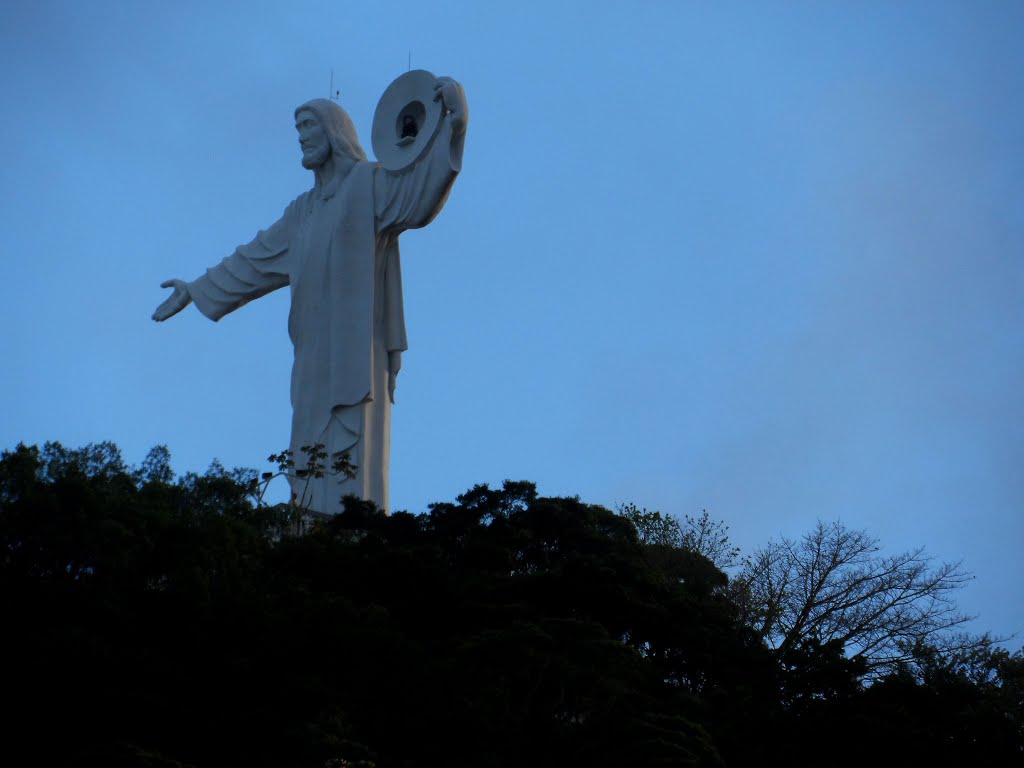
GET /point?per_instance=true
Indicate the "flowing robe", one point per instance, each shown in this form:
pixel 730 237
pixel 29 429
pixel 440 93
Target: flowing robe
pixel 337 248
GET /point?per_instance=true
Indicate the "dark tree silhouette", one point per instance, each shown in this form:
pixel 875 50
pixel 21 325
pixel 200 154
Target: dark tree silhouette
pixel 154 621
pixel 836 586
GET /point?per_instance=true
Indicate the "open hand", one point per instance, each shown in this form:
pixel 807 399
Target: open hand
pixel 392 383
pixel 394 366
pixel 177 301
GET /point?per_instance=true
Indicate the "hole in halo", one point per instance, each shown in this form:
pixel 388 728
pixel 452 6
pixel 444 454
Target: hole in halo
pixel 409 122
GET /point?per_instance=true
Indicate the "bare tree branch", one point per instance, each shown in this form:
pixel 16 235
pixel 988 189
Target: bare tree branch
pixel 835 585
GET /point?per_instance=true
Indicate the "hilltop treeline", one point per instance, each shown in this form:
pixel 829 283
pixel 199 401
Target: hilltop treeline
pixel 154 620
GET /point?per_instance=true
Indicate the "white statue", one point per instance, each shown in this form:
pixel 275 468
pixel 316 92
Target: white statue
pixel 336 246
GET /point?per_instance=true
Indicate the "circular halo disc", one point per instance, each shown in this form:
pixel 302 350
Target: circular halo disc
pixel 406 119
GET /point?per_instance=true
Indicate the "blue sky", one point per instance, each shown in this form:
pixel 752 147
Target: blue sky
pixel 763 259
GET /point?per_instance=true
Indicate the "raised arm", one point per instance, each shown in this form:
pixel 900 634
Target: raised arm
pixel 413 197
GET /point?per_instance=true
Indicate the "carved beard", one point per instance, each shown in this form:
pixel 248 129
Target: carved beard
pixel 313 162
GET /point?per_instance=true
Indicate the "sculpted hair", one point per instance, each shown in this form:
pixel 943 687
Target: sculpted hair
pixel 338 126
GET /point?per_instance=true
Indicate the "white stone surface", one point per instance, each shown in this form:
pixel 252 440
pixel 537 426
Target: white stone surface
pixel 336 247
pixel 411 95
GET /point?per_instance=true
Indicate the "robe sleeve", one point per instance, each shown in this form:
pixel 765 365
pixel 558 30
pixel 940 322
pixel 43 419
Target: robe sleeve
pixel 253 270
pixel 411 198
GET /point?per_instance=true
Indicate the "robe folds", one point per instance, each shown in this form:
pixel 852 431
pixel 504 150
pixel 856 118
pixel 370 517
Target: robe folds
pixel 337 249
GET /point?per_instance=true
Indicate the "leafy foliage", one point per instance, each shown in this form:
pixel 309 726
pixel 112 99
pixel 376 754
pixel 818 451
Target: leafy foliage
pixel 153 621
pixel 702 535
pixel 310 466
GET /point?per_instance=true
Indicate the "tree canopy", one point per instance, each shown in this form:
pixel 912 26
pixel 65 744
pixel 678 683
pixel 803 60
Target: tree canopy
pixel 162 621
pixel 836 585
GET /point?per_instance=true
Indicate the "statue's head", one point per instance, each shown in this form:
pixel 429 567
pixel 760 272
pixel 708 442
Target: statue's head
pixel 324 127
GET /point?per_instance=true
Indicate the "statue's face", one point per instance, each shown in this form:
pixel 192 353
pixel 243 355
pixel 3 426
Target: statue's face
pixel 316 147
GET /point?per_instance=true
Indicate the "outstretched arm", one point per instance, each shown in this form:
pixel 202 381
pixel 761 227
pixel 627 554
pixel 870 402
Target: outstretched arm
pixel 253 270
